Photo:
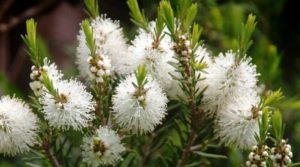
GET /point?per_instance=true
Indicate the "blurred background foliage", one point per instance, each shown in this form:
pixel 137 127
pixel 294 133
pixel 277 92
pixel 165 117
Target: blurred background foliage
pixel 275 52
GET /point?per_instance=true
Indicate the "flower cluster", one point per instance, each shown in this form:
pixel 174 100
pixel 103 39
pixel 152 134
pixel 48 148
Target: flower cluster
pixel 71 107
pixel 183 47
pixel 282 154
pixel 36 76
pixel 258 156
pixel 18 126
pixel 231 96
pixel 36 84
pixel 139 109
pixel 155 54
pixel 103 148
pixel 110 42
pixel 100 67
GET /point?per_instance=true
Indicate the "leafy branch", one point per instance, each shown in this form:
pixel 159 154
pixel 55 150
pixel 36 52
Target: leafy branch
pixel 33 43
pixel 92 8
pixel 245 41
pixel 89 37
pixel 137 16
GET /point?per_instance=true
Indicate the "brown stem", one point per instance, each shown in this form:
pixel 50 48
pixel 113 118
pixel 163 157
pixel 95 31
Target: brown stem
pixel 190 83
pixel 146 150
pixel 14 21
pixel 192 136
pixel 46 147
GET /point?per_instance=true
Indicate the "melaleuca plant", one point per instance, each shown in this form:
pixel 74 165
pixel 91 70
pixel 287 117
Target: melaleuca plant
pixel 162 99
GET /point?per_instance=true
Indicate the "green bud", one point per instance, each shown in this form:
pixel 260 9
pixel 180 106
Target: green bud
pixel 245 36
pixel 89 36
pixel 278 127
pixel 36 48
pixel 140 75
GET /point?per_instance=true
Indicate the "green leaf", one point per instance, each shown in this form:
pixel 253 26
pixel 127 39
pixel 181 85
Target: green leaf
pixel 277 124
pixel 191 13
pixel 137 16
pixel 35 48
pixel 49 84
pixel 159 24
pixel 196 33
pixel 181 7
pixel 89 36
pixel 92 8
pixel 294 164
pixel 263 123
pixel 168 16
pixel 246 32
pixel 199 66
pixel 140 75
pixel 193 164
pixel 209 155
pixel 273 97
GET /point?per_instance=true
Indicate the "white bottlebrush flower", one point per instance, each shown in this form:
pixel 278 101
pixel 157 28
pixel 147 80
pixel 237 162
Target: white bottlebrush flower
pixel 53 73
pixel 156 56
pixel 36 76
pixel 72 108
pixel 139 110
pixel 18 126
pixel 103 148
pixel 237 123
pixel 109 41
pixel 228 79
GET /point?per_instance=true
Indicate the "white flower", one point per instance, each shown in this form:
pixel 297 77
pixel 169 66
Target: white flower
pixel 139 110
pixel 227 80
pixel 282 154
pixel 258 156
pixel 103 148
pixel 156 56
pixel 36 76
pixel 54 74
pixel 110 41
pixel 18 126
pixel 71 108
pixel 100 67
pixel 237 123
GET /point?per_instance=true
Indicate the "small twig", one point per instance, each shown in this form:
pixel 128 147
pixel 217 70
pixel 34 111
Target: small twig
pixel 53 160
pixel 146 150
pixel 14 21
pixel 191 138
pixel 194 111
